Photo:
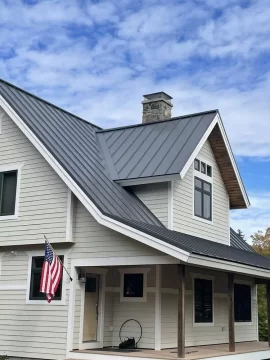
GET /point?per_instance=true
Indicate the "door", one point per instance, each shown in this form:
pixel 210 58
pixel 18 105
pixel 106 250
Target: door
pixel 91 301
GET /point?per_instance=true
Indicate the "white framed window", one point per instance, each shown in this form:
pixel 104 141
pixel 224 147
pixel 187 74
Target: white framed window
pixel 33 296
pixel 10 178
pixel 203 191
pixel 133 284
pixel 243 299
pixel 203 300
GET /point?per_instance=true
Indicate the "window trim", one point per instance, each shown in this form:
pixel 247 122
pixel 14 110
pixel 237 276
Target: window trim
pixel 208 179
pixel 207 193
pixel 203 277
pixel 18 168
pixel 252 297
pixel 65 280
pixel 138 270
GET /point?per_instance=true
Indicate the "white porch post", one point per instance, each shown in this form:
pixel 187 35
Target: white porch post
pixel 158 309
pixel 71 304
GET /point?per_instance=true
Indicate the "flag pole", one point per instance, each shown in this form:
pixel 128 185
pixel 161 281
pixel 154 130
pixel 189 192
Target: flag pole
pixel 58 258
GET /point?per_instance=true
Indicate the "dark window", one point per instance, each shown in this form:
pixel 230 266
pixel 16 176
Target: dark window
pixel 242 303
pixel 203 301
pixel 209 170
pixel 203 167
pixel 8 185
pixel 197 164
pixel 37 262
pixel 202 199
pixel 133 285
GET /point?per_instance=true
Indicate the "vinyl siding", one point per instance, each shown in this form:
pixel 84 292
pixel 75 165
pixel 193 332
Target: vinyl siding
pixel 155 197
pixel 95 240
pixel 43 195
pixel 183 219
pixel 29 330
pixel 200 335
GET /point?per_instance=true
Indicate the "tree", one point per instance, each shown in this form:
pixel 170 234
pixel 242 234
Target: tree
pixel 240 232
pixel 261 244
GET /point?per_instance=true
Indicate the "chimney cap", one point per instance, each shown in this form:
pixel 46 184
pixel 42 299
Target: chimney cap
pixel 158 96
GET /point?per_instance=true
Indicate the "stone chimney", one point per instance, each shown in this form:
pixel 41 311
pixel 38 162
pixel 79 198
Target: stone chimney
pixel 156 106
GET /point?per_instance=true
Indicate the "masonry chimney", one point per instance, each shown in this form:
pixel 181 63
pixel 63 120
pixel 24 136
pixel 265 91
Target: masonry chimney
pixel 156 106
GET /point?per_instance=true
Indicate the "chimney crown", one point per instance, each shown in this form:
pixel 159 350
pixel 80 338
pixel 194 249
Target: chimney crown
pixel 156 106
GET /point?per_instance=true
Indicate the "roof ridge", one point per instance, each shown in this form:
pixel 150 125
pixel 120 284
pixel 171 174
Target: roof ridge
pixel 158 121
pixel 48 103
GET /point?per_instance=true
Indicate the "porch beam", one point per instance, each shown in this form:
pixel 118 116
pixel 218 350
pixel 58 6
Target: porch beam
pixel 268 308
pixel 181 311
pixel 231 312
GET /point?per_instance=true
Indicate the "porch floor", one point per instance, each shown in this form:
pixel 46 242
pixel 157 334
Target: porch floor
pixel 194 352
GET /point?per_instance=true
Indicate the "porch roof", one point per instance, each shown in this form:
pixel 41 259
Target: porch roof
pixel 207 248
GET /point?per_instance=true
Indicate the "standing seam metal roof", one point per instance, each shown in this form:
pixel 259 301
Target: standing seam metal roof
pixel 73 142
pixel 158 149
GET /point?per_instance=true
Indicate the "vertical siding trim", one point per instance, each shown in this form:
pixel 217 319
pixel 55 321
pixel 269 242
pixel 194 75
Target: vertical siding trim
pixel 70 212
pixel 71 306
pixel 1 121
pixel 158 309
pixel 170 205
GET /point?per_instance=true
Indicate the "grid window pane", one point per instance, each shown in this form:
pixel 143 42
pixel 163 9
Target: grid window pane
pixel 203 167
pixel 198 203
pixel 207 206
pixel 197 164
pixel 8 192
pixel 202 199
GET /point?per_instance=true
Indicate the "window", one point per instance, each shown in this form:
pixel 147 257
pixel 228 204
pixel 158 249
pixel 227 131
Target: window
pixel 242 303
pixel 202 199
pixel 203 167
pixel 133 285
pixel 197 164
pixel 203 301
pixel 37 262
pixel 8 186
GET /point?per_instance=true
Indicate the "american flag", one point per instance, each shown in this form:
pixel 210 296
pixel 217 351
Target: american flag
pixel 51 274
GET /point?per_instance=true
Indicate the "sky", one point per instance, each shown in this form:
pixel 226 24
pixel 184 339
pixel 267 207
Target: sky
pixel 97 59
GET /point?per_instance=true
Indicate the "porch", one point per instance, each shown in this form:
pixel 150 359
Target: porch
pixel 165 309
pixel 243 351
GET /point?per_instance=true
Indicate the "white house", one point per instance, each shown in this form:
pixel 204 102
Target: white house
pixel 140 216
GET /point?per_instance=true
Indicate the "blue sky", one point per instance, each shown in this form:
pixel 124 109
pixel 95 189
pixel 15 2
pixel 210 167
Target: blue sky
pixel 97 58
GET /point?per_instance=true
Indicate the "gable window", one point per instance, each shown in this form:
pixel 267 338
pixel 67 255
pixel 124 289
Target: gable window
pixel 202 199
pixel 35 294
pixel 8 186
pixel 203 301
pixel 242 303
pixel 202 167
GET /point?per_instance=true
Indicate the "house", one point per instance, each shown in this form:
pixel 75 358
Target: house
pixel 140 216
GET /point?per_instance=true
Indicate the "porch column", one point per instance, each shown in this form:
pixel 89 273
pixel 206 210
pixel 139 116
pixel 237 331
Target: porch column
pixel 181 311
pixel 231 312
pixel 268 308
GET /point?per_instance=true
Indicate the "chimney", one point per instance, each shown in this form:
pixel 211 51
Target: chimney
pixel 156 106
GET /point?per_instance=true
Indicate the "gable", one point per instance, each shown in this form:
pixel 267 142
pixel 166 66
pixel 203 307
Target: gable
pixel 42 195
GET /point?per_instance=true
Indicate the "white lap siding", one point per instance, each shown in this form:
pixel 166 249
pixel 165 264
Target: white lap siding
pixel 183 198
pixel 200 335
pixel 28 330
pixel 43 195
pixel 155 197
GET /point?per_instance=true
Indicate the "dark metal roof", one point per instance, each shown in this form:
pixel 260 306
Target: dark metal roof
pixel 238 242
pixel 73 142
pixel 155 149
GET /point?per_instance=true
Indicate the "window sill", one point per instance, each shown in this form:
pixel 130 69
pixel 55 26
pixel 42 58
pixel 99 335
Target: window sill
pixel 133 300
pixel 243 323
pixel 203 324
pixel 9 217
pixel 43 302
pixel 209 222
